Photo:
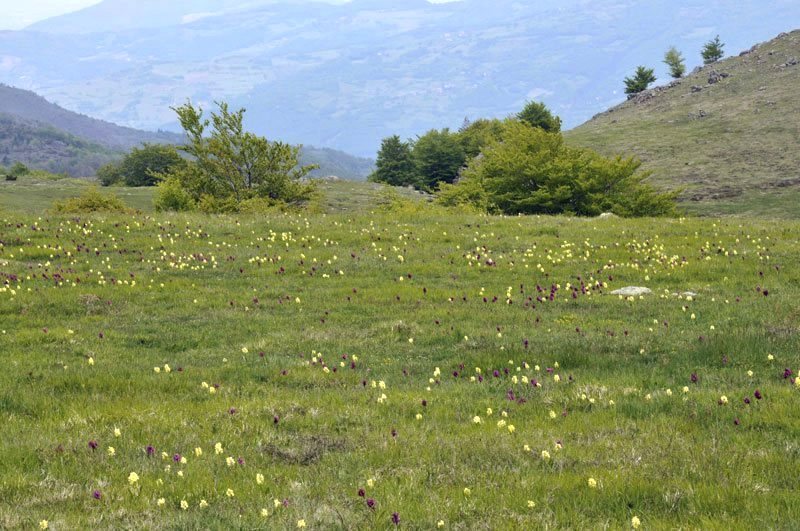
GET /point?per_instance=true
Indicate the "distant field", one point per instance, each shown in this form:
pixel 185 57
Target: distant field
pixel 361 366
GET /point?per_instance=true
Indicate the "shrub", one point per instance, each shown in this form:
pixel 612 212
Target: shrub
pixel 210 204
pixel 171 196
pixel 229 165
pixel 468 193
pixel 533 172
pixel 109 174
pixel 91 201
pixel 18 170
pixel 142 166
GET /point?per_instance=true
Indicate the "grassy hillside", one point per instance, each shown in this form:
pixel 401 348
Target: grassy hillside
pixel 340 370
pixel 732 145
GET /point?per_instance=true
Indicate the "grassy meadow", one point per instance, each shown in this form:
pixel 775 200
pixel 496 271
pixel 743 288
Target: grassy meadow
pixel 373 366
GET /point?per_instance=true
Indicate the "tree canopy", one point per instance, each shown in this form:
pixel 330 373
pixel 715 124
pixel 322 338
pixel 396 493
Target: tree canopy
pixel 640 80
pixel 439 157
pixel 142 166
pixel 674 60
pixel 229 165
pixel 531 171
pixel 712 51
pixel 395 163
pixel 475 135
pixel 538 115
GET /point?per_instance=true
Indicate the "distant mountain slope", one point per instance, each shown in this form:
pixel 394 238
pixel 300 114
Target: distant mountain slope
pixel 46 148
pixel 729 130
pixel 30 106
pixel 336 163
pixel 345 76
pixel 48 137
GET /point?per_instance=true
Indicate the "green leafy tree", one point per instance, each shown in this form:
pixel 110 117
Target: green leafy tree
pixel 640 81
pixel 712 51
pixel 538 115
pixel 531 171
pixel 18 170
pixel 109 174
pixel 439 158
pixel 229 165
pixel 674 60
pixel 473 136
pixel 395 163
pixel 142 166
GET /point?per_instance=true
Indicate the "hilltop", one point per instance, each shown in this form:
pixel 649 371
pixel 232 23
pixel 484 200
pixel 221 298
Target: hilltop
pixel 726 134
pixel 46 136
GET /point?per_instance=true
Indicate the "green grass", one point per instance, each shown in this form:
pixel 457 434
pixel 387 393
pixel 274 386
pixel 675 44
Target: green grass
pixel 736 153
pixel 208 295
pixel 36 193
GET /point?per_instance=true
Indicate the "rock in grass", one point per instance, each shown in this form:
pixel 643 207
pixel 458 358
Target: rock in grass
pixel 632 291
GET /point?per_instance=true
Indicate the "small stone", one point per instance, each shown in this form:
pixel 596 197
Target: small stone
pixel 632 291
pixel 716 77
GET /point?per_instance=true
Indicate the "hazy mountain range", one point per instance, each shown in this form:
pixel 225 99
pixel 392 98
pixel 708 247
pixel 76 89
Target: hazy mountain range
pixel 45 136
pixel 344 76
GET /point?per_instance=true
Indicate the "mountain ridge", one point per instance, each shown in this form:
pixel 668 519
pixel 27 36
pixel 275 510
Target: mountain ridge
pixel 345 76
pixel 30 106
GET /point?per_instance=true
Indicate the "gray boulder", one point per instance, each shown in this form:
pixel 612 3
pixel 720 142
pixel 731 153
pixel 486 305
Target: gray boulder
pixel 632 291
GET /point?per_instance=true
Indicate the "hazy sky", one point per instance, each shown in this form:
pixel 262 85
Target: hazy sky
pixel 16 14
